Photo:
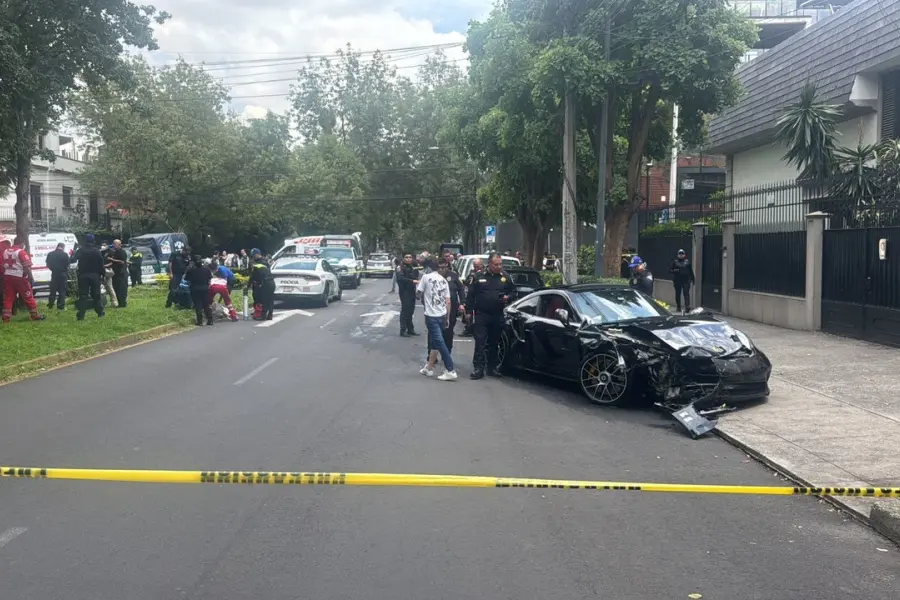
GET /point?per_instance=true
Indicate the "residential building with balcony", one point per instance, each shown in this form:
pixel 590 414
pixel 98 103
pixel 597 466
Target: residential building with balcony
pixel 56 199
pixel 777 20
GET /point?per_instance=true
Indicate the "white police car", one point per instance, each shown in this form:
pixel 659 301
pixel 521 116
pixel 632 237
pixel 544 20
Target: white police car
pixel 345 263
pixel 305 276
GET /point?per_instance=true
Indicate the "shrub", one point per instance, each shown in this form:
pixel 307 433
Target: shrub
pixel 552 278
pixel 679 228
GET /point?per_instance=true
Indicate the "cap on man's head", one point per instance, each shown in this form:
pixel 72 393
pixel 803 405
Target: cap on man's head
pixel 636 261
pixel 681 252
pixel 90 238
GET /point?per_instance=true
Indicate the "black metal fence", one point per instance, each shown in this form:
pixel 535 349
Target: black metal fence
pixel 659 252
pixel 772 263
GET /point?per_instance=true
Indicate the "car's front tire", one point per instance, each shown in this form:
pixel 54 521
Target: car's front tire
pixel 604 379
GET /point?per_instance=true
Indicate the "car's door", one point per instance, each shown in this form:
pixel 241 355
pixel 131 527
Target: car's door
pixel 554 343
pixel 516 330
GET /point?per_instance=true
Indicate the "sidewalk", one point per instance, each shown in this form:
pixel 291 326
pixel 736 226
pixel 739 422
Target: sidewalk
pixel 833 417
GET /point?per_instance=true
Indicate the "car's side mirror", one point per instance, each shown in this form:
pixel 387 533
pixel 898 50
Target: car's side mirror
pixel 563 316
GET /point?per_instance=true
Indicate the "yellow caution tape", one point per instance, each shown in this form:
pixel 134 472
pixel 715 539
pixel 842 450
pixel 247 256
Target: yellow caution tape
pixel 413 480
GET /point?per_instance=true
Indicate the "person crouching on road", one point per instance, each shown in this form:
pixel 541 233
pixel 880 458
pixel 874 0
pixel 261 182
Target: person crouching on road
pixel 16 267
pixel 435 294
pixel 219 286
pixel 682 280
pixel 198 276
pixel 641 277
pixel 407 280
pixel 487 298
pixel 263 284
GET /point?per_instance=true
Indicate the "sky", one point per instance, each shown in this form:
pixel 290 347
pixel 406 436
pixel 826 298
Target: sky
pixel 276 34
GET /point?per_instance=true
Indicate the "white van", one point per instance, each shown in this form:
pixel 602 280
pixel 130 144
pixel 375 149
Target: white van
pixel 42 244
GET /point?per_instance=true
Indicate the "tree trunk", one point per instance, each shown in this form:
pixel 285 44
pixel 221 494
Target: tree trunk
pixel 23 189
pixel 616 228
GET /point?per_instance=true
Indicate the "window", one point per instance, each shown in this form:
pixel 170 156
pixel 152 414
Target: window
pixel 67 197
pixel 35 200
pixel 550 303
pixel 40 142
pixel 93 208
pixel 528 306
pixel 890 103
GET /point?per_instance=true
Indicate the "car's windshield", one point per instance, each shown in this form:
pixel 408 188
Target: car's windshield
pixel 529 279
pixel 292 264
pixel 336 253
pixel 378 257
pixel 612 306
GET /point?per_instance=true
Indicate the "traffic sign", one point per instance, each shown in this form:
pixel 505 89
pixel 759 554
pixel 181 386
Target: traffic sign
pixel 490 234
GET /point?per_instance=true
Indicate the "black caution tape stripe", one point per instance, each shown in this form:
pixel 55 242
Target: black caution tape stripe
pixel 415 480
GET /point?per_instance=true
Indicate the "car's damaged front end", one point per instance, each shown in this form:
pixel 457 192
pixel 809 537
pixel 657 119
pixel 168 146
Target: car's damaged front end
pixel 696 363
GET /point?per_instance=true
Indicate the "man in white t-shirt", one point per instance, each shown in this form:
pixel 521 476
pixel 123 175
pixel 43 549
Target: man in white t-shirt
pixel 434 292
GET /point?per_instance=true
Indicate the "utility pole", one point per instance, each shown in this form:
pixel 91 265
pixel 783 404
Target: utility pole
pixel 569 220
pixel 673 170
pixel 599 262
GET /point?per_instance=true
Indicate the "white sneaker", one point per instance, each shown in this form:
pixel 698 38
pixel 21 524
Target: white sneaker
pixel 426 371
pixel 448 376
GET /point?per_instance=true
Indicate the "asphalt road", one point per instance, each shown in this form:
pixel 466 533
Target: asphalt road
pixel 339 394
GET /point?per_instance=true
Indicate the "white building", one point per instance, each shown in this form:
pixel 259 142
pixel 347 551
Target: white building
pixel 853 58
pixel 56 199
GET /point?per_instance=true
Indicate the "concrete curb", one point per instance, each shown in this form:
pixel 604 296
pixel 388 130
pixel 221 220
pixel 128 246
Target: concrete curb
pixel 29 368
pixel 854 511
pixel 885 518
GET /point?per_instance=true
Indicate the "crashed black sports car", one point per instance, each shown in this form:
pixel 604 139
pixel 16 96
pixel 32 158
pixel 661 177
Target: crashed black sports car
pixel 621 345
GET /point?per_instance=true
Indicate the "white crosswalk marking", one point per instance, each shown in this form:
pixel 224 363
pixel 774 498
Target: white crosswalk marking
pixel 11 534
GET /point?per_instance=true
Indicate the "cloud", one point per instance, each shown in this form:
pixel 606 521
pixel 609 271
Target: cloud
pixel 255 48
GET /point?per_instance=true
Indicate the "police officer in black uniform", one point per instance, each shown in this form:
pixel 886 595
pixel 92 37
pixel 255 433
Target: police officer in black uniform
pixel 263 283
pixel 477 268
pixel 407 280
pixel 641 277
pixel 457 295
pixel 485 301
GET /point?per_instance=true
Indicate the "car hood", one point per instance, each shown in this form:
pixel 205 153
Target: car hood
pixel 698 336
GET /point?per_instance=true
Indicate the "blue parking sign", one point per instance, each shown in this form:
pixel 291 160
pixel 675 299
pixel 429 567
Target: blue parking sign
pixel 490 233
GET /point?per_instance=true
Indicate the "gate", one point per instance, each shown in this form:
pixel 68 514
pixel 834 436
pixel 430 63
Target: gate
pixel 860 286
pixel 711 292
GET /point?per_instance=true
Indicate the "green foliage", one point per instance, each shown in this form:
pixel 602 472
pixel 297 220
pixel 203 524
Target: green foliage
pixel 808 129
pixel 862 176
pixel 46 48
pixel 680 228
pixel 586 259
pixel 554 278
pixel 529 52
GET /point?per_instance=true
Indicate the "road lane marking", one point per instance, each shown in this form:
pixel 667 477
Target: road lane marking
pixel 359 297
pixel 384 318
pixel 11 534
pixel 255 371
pixel 380 298
pixel 285 314
pixel 327 323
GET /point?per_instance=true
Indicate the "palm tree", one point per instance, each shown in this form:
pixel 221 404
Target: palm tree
pixel 808 130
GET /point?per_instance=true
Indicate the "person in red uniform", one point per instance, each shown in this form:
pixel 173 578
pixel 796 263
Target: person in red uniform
pixel 219 286
pixel 16 266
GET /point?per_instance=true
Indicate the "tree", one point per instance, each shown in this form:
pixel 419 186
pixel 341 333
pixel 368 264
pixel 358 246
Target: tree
pixel 168 148
pixel 47 47
pixel 808 129
pixel 663 52
pixel 501 127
